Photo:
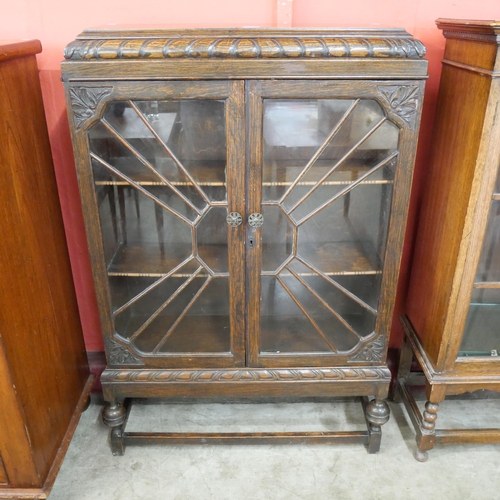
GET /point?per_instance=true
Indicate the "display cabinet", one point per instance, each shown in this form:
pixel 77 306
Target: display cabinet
pixel 453 306
pixel 245 195
pixel 44 375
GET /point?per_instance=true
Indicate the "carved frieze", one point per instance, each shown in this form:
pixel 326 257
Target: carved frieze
pixel 239 47
pixel 251 375
pixel 84 101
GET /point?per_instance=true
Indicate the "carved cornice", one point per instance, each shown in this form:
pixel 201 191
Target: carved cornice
pixel 469 35
pixel 258 47
pixel 373 351
pixel 84 101
pixel 246 375
pixel 120 355
pixel 403 100
pixel 470 29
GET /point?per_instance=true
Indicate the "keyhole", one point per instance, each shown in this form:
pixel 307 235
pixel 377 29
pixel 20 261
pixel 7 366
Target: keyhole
pixel 250 242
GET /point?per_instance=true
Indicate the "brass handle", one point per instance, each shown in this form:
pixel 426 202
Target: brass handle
pixel 256 220
pixel 234 219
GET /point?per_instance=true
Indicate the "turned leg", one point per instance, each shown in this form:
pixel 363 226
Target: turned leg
pixel 377 414
pixel 426 435
pixel 427 439
pixel 114 416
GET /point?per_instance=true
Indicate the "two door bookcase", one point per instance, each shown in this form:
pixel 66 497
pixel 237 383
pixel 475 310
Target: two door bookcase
pixel 245 196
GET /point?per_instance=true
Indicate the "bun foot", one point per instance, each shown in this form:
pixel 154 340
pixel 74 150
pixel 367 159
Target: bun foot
pixel 421 456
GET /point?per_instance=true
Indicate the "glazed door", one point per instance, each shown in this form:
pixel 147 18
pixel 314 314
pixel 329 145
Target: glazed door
pixel 481 336
pixel 324 165
pixel 167 169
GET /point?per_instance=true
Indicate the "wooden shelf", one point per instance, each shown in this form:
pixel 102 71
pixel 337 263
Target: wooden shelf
pixel 194 334
pixel 487 284
pixel 284 172
pixel 141 259
pixel 282 336
pixel 147 260
pixel 206 173
pixel 212 173
pixel 342 258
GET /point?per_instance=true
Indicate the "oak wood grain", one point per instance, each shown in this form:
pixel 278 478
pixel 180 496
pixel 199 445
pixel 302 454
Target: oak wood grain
pixel 244 68
pixel 441 229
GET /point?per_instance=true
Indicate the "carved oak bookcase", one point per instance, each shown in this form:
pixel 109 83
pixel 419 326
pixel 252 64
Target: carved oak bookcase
pixel 245 196
pixel 453 307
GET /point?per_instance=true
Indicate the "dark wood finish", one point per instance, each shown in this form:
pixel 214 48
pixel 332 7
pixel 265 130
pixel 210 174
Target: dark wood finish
pixel 341 437
pixel 244 43
pixel 246 53
pixel 44 376
pixel 243 68
pixel 116 416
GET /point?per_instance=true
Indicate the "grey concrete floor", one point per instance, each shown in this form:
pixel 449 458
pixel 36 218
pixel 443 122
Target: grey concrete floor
pixel 273 472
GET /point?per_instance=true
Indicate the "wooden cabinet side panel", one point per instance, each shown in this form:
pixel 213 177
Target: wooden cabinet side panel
pixel 463 97
pixel 471 53
pixel 18 469
pixel 39 318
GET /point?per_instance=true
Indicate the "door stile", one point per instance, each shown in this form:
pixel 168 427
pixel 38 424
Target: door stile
pixel 254 113
pixel 396 230
pixel 235 137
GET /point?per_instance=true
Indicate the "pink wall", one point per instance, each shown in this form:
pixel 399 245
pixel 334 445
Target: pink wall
pixel 56 23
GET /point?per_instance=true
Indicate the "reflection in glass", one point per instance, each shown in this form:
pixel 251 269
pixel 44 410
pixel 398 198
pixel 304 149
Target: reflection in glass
pixel 328 173
pixel 159 167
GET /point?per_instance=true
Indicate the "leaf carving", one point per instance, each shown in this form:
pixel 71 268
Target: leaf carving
pixel 120 355
pixel 84 101
pixel 373 351
pixel 403 101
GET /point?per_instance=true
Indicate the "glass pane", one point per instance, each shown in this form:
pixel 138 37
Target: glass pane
pixel 159 167
pixel 328 173
pixel 480 337
pixel 283 327
pixel 489 263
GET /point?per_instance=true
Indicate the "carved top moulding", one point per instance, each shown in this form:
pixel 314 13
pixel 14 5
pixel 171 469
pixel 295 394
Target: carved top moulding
pixel 484 31
pixel 109 44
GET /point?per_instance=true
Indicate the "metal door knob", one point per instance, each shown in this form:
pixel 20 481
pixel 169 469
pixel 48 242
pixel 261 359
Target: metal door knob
pixel 234 219
pixel 256 220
